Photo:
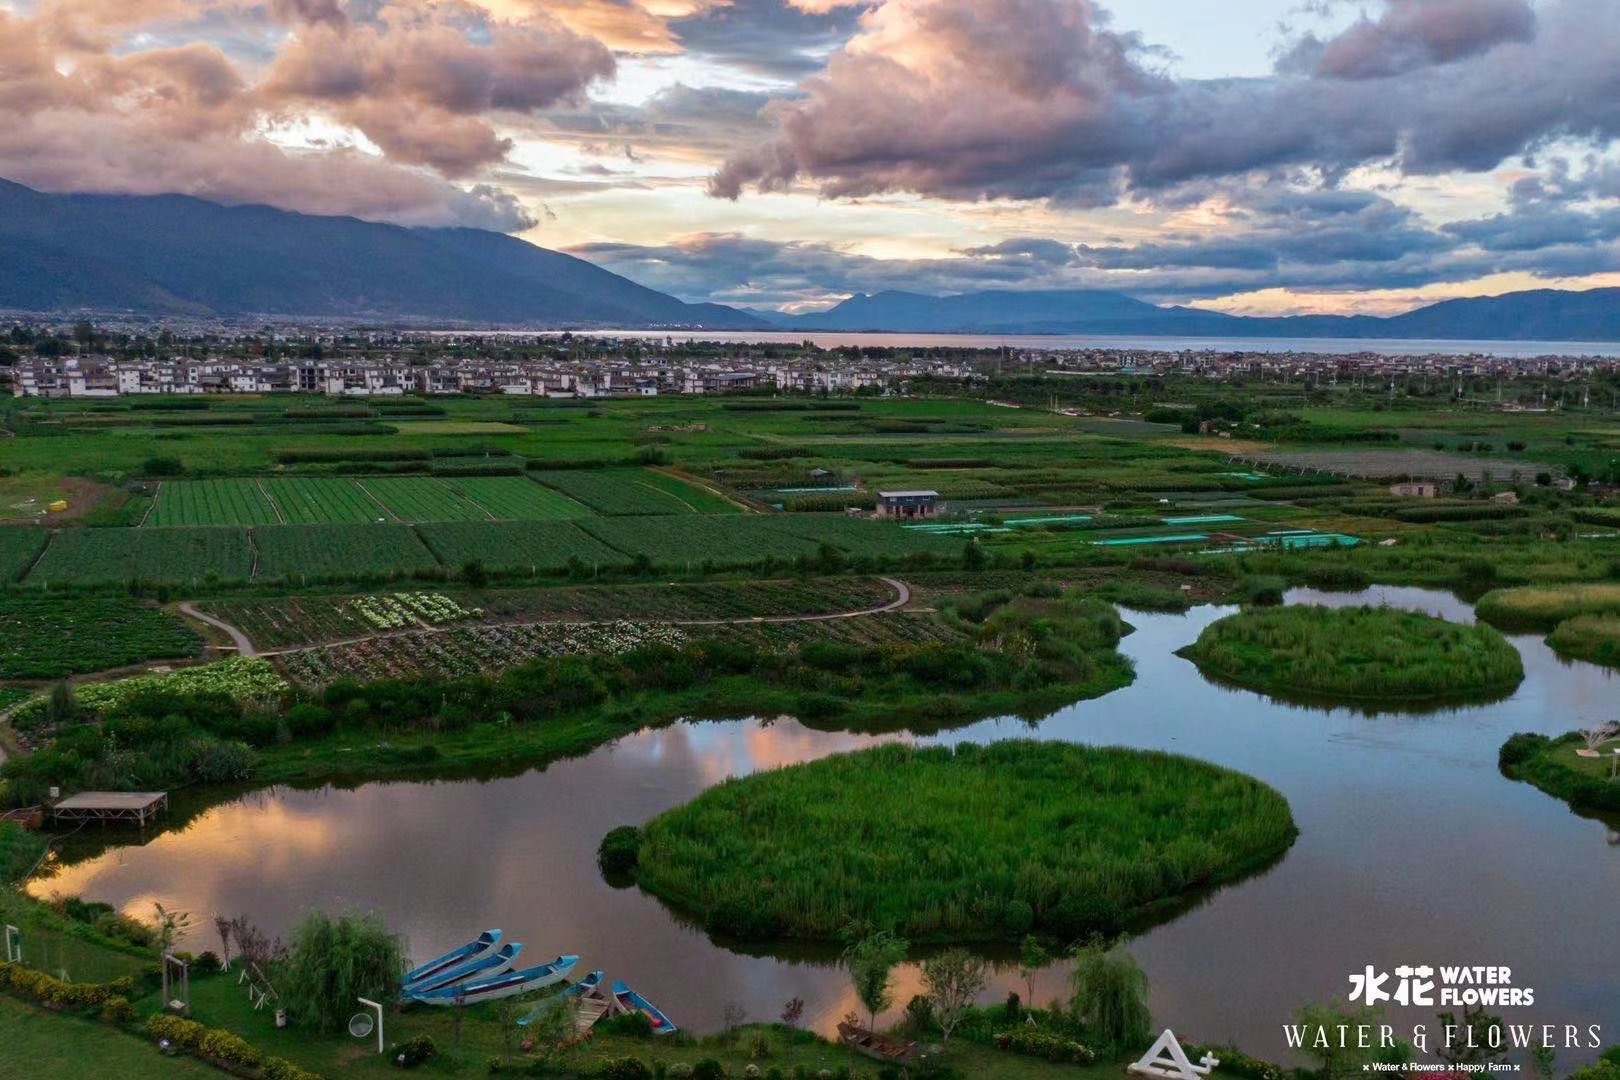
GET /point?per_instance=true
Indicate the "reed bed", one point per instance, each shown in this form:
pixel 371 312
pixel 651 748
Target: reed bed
pixel 1357 653
pixel 1589 637
pixel 1543 607
pixel 970 843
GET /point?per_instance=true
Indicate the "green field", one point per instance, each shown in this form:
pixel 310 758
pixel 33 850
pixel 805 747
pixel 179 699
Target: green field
pixel 193 557
pixel 298 552
pixel 516 498
pixel 693 539
pixel 518 547
pixel 632 491
pixel 211 502
pixel 422 498
pixel 320 501
pixel 41 638
pixel 20 545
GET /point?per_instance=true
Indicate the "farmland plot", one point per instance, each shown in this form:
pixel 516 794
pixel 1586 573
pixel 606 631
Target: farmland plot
pixel 19 547
pixel 422 498
pixel 855 536
pixel 322 500
pixel 627 491
pixel 693 539
pixel 161 556
pixel 43 638
pixel 300 552
pixel 518 499
pixel 518 547
pixel 211 502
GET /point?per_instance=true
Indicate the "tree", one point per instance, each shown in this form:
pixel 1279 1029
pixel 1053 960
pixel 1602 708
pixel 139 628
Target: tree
pixel 334 961
pixel 1110 996
pixel 870 961
pixel 953 979
pixel 973 557
pixel 222 926
pixel 171 926
pixel 1032 957
pixel 1321 1026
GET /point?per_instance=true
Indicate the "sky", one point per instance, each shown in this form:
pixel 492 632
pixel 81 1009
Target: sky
pixel 1252 156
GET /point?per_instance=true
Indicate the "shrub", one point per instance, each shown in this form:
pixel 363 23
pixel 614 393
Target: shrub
pixel 627 1068
pixel 617 853
pixel 118 1010
pixel 708 1069
pixel 1033 1042
pixel 412 1052
pixel 229 1050
pixel 281 1069
pixel 182 1034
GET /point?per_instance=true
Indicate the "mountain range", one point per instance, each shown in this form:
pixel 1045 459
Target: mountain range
pixel 177 255
pixel 1538 315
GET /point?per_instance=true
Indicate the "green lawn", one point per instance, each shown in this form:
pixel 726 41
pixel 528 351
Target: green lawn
pixel 36 1044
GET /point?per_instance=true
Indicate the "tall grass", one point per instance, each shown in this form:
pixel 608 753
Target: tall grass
pixel 1589 637
pixel 963 844
pixel 1543 607
pixel 1362 653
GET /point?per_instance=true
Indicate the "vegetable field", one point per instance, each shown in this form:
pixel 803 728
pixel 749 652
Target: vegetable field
pixel 306 552
pixel 633 491
pixel 517 498
pixel 422 498
pixel 165 556
pixel 322 500
pixel 19 547
pixel 517 547
pixel 694 539
pixel 43 638
pixel 211 502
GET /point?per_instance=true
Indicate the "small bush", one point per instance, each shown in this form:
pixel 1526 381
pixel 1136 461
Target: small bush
pixel 412 1052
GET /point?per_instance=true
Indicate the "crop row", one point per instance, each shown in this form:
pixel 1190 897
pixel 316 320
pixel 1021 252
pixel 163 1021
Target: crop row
pixel 310 553
pixel 314 500
pixel 470 650
pixel 45 639
pixel 632 491
pixel 277 622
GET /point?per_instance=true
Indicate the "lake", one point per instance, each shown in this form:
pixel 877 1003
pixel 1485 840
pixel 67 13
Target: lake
pixel 1413 849
pixel 827 339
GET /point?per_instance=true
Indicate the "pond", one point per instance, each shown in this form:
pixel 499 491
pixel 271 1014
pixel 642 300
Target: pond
pixel 1413 849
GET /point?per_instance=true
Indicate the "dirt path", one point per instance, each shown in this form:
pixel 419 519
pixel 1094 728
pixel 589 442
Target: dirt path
pixel 244 647
pixel 902 597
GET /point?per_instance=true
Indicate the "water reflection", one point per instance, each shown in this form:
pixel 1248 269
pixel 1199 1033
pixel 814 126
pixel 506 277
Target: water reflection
pixel 1413 849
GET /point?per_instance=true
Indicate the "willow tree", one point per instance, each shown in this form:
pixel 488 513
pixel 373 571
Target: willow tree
pixel 1110 997
pixel 334 961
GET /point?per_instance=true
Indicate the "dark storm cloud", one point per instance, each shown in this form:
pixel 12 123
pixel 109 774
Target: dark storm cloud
pixel 765 37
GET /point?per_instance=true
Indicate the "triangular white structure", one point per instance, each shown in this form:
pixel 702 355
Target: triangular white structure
pixel 1166 1060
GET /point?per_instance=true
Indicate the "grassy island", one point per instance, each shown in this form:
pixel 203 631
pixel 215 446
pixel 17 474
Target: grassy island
pixel 1556 766
pixel 1583 620
pixel 1362 654
pixel 965 844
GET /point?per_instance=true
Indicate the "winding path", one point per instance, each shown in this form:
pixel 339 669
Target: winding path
pixel 902 597
pixel 244 647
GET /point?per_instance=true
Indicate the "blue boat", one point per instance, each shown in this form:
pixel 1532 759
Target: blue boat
pixel 480 945
pixel 501 986
pixel 630 1001
pixel 484 967
pixel 584 988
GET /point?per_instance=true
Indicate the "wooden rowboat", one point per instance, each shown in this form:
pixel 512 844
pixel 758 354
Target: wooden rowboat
pixel 878 1047
pixel 630 1001
pixel 475 948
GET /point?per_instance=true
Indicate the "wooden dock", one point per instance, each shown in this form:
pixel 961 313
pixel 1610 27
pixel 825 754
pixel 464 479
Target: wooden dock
pixel 131 807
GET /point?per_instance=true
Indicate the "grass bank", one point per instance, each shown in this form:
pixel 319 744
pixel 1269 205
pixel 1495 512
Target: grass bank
pixel 1361 654
pixel 1543 607
pixel 1587 784
pixel 970 844
pixel 237 723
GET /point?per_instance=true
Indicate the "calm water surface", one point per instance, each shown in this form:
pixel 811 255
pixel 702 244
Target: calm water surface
pixel 832 339
pixel 1413 849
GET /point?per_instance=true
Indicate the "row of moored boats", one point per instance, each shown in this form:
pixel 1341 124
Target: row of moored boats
pixel 485 969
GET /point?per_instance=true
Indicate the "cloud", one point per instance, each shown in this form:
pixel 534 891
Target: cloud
pixel 187 119
pixel 421 82
pixel 1414 34
pixel 1023 99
